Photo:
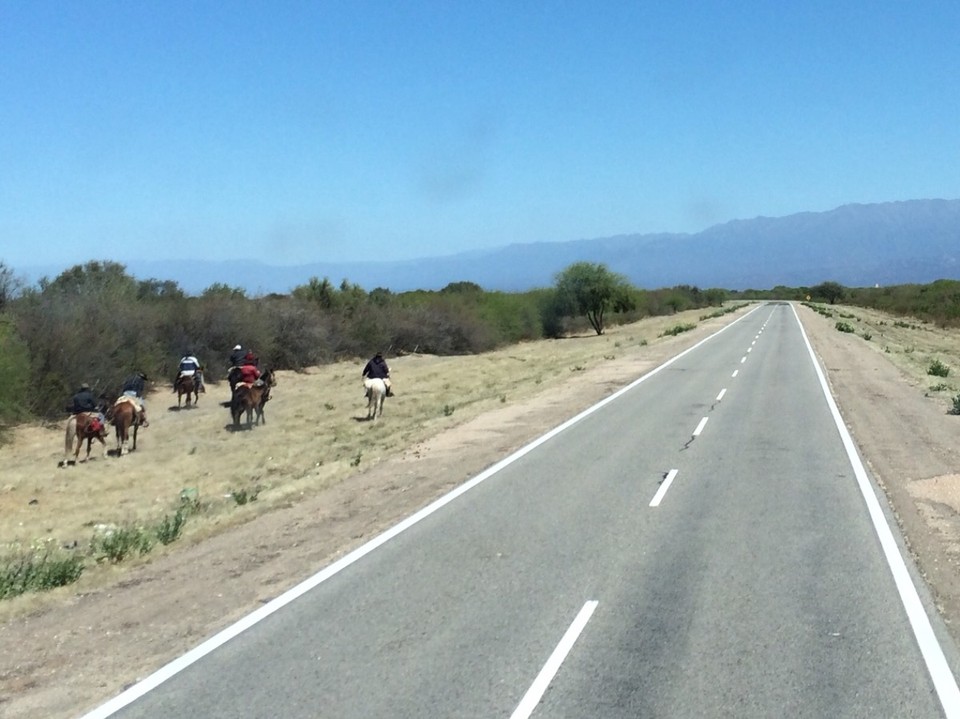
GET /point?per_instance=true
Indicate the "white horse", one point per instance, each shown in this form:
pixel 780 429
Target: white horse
pixel 376 391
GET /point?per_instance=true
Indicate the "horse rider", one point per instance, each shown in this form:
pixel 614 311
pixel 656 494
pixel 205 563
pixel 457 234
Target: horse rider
pixel 190 367
pixel 83 401
pixel 236 357
pixel 134 387
pixel 249 372
pixel 377 368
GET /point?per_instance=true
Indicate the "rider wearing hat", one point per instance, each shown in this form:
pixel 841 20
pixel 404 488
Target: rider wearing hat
pixel 83 400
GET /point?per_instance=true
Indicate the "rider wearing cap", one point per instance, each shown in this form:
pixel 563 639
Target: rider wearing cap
pixel 190 367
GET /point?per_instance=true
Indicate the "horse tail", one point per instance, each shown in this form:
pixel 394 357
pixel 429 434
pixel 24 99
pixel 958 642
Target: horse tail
pixel 70 434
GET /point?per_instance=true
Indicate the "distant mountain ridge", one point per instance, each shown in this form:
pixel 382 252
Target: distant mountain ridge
pixel 913 241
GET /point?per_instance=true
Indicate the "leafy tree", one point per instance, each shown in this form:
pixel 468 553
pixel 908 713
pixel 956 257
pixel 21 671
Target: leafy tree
pixel 830 291
pixel 586 288
pixel 10 285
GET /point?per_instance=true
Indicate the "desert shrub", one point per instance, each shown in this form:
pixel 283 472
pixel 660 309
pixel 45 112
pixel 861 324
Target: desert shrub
pixel 115 544
pixel 243 496
pixel 678 329
pixel 844 327
pixel 37 569
pixel 169 528
pixel 956 405
pixel 938 369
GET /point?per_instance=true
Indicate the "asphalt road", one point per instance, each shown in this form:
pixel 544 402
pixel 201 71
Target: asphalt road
pixel 699 546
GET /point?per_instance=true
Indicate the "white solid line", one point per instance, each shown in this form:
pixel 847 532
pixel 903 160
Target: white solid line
pixel 664 486
pixel 201 650
pixel 699 429
pixel 535 692
pixel 735 373
pixel 943 680
pixel 722 392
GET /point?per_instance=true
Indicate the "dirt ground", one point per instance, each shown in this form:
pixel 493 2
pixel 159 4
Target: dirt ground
pixel 328 482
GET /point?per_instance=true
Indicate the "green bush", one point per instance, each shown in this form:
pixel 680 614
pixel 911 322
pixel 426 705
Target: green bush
pixel 171 526
pixel 844 327
pixel 678 329
pixel 956 405
pixel 38 569
pixel 115 544
pixel 243 496
pixel 938 369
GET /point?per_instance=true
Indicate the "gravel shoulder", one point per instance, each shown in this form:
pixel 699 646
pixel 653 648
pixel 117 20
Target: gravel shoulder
pixel 69 650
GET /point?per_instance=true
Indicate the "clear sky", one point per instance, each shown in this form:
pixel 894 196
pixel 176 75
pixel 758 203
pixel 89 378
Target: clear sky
pixel 316 131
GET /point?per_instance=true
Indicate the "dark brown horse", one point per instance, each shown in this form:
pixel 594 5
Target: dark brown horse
pixel 126 413
pixel 83 426
pixel 187 384
pixel 251 398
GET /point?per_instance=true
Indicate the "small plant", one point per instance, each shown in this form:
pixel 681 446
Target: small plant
pixel 170 527
pixel 940 387
pixel 327 406
pixel 844 327
pixel 577 368
pixel 355 462
pixel 956 405
pixel 448 410
pixel 115 544
pixel 38 569
pixel 678 329
pixel 867 336
pixel 242 496
pixel 938 369
pixel 503 399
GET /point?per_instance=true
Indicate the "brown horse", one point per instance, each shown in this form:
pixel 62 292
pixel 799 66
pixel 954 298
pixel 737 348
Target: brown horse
pixel 251 398
pixel 187 385
pixel 125 413
pixel 83 426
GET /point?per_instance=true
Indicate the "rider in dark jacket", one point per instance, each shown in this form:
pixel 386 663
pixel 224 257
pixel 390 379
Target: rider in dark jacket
pixel 236 357
pixel 83 401
pixel 377 368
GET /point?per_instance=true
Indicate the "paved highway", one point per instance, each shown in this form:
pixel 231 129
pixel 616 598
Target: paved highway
pixel 701 545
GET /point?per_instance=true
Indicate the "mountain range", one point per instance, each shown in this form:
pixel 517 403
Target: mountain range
pixel 857 245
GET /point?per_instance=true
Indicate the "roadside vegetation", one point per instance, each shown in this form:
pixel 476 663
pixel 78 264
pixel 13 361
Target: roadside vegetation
pixel 95 323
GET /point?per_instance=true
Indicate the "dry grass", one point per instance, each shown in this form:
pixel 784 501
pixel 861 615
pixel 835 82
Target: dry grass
pixel 911 345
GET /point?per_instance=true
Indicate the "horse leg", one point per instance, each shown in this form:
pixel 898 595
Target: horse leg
pixel 136 425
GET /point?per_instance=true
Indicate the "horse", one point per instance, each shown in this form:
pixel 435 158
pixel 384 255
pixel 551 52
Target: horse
pixel 124 414
pixel 187 385
pixel 251 398
pixel 376 391
pixel 83 426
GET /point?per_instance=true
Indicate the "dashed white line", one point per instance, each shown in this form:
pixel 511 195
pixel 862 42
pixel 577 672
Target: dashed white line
pixel 535 692
pixel 743 359
pixel 735 373
pixel 699 429
pixel 664 486
pixel 722 392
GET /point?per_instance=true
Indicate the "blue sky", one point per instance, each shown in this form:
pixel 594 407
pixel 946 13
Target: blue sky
pixel 299 132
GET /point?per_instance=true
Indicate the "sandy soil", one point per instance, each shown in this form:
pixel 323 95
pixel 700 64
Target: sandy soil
pixel 328 482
